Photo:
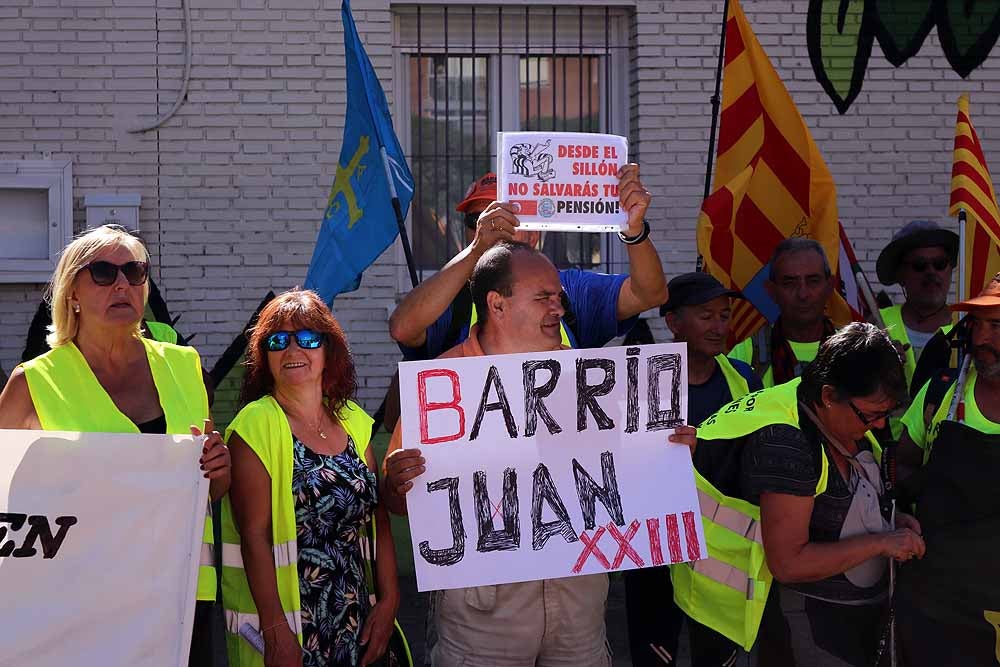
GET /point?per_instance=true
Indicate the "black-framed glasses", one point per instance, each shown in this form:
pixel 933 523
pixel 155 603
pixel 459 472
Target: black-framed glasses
pixel 307 339
pixel 866 419
pixel 921 264
pixel 106 273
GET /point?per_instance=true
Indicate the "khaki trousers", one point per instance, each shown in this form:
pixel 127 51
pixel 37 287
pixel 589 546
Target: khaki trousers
pixel 548 623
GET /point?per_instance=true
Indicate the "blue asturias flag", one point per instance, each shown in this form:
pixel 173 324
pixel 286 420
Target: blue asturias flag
pixel 359 222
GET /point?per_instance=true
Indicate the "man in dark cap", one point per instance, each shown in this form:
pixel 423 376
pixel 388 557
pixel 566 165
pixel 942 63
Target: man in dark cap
pixel 920 258
pixel 697 313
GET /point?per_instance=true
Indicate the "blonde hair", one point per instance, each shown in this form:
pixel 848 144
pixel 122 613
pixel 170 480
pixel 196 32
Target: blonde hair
pixel 75 256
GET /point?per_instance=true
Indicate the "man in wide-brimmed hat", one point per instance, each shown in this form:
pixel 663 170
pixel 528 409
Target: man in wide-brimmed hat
pixel 920 258
pixel 948 604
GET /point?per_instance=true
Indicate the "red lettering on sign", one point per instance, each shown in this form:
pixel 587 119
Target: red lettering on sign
pixel 655 550
pixel 426 406
pixel 691 536
pixel 673 539
pixel 590 547
pixel 625 545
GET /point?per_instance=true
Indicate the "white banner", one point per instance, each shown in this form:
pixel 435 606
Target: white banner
pixel 100 541
pixel 566 181
pixel 549 465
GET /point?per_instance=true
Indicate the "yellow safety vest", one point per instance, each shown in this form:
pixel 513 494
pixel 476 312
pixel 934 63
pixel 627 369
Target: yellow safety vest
pixel 59 379
pixel 162 332
pixel 738 386
pixel 264 427
pixel 562 327
pixel 892 317
pixel 727 590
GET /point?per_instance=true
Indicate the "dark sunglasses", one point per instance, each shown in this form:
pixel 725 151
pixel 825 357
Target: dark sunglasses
pixel 472 219
pixel 921 265
pixel 868 420
pixel 307 339
pixel 106 273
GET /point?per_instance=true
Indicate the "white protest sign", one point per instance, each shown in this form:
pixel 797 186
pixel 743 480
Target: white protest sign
pixel 548 465
pixel 566 181
pixel 100 542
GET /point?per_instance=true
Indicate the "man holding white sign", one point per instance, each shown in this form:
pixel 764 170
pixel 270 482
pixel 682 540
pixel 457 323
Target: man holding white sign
pixel 554 621
pixel 438 313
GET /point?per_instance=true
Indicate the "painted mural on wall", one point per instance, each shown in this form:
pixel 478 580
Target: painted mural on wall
pixel 841 33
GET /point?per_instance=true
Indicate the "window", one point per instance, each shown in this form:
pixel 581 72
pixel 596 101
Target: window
pixel 36 218
pixel 469 72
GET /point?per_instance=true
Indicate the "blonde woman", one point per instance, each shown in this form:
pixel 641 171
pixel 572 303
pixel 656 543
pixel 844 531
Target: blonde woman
pixel 102 375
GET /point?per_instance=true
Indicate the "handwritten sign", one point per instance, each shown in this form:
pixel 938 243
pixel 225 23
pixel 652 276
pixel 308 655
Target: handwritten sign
pixel 566 181
pixel 549 465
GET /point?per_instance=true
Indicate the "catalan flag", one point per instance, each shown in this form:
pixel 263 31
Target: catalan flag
pixel 770 182
pixel 972 191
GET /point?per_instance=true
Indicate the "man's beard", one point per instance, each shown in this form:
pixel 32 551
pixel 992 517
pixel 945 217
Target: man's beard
pixel 986 368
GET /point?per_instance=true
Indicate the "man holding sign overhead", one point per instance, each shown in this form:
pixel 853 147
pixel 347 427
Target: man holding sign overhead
pixel 555 621
pixel 438 313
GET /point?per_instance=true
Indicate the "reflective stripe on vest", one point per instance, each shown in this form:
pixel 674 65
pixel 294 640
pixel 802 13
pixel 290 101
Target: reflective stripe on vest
pixel 263 426
pixel 59 377
pixel 727 590
pixel 563 334
pixel 284 554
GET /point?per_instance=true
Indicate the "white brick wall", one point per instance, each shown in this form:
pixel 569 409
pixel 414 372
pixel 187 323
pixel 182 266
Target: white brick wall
pixel 234 186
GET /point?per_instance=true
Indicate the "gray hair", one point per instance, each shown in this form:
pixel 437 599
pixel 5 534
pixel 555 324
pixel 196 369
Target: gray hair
pixel 798 244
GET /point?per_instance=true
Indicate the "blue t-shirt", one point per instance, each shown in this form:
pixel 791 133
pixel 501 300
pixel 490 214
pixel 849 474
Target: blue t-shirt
pixel 593 296
pixel 705 399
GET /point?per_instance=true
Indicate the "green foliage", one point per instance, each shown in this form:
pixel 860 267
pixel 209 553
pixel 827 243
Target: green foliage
pixel 840 35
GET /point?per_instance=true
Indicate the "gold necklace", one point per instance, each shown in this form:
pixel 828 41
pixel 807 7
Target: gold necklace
pixel 319 431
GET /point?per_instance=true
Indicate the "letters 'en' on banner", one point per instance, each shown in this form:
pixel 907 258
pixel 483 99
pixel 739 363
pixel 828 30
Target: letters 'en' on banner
pixel 564 181
pixel 548 465
pixel 100 543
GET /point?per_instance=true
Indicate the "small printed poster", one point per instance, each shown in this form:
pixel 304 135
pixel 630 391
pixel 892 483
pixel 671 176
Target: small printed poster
pixel 563 181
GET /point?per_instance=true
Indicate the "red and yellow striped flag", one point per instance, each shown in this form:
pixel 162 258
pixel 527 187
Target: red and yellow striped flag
pixel 972 191
pixel 770 182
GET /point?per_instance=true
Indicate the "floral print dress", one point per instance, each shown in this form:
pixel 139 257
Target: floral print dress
pixel 334 495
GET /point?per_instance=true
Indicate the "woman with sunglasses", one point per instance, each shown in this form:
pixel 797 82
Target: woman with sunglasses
pixel 103 375
pixel 803 454
pixel 304 490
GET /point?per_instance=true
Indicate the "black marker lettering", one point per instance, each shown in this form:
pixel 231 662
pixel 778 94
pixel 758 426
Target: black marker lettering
pixel 587 394
pixel 502 404
pixel 632 398
pixel 588 491
pixel 491 539
pixel 544 489
pixel 533 405
pixel 456 551
pixel 658 419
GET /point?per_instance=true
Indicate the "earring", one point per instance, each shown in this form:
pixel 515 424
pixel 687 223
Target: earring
pixel 76 308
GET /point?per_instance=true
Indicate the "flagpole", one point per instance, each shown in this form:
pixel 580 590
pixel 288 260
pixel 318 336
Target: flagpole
pixel 716 103
pixel 963 281
pixel 400 222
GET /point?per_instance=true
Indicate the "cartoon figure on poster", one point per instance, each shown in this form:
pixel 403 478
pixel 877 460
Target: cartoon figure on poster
pixel 531 160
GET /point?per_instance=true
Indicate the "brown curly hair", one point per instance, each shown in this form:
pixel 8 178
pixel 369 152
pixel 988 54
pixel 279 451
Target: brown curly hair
pixel 294 310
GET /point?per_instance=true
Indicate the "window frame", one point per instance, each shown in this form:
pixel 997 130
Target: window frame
pixel 56 178
pixel 613 253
